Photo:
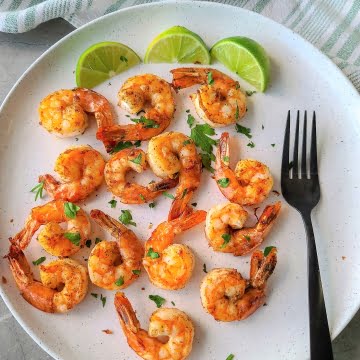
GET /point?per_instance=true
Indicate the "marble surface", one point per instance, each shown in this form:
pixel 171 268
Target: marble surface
pixel 17 52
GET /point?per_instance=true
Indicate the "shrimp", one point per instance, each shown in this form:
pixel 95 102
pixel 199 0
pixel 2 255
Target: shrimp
pixel 227 296
pixel 46 295
pixel 225 231
pixel 64 112
pixel 53 238
pixel 251 182
pixel 171 323
pixel 115 265
pixel 169 265
pixel 219 101
pixel 130 193
pixel 174 154
pixel 150 94
pixel 81 169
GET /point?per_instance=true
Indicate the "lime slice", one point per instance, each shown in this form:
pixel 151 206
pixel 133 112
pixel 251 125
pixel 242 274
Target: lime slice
pixel 177 45
pixel 102 61
pixel 246 58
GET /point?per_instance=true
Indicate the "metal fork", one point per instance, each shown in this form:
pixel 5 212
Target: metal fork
pixel 303 193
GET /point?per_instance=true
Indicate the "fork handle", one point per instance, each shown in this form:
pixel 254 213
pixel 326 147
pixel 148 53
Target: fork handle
pixel 320 340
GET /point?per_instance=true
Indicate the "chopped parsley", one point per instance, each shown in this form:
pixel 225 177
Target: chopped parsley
pixel 187 142
pixel 119 281
pixel 137 160
pixel 243 130
pixel 273 145
pixel 158 300
pixel 237 86
pixel 230 357
pixel 97 240
pixel 237 112
pixel 126 218
pixel 88 243
pixel 142 197
pixel 247 237
pixel 112 203
pixel 170 196
pixel 206 161
pixel 268 249
pixel 137 143
pixel 200 135
pixel 190 120
pixel 73 237
pixel 188 110
pixel 224 182
pixel 204 268
pixel 251 144
pixel 249 93
pixel 39 260
pixel 173 304
pixel 152 205
pixel 226 159
pixel 94 295
pixel 227 238
pixel 38 190
pixel 152 254
pixel 148 123
pixel 71 210
pixel 194 204
pixel 103 300
pixel 121 145
pixel 136 272
pixel 210 79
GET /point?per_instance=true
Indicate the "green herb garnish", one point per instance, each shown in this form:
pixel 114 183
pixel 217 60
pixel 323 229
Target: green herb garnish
pixel 38 190
pixel 152 254
pixel 243 130
pixel 268 249
pixel 39 260
pixel 97 240
pixel 237 112
pixel 137 160
pixel 73 237
pixel 136 272
pixel 249 93
pixel 200 135
pixel 247 237
pixel 119 281
pixel 230 357
pixel 148 123
pixel 103 300
pixel 88 243
pixel 71 210
pixel 152 205
pixel 94 295
pixel 112 203
pixel 126 218
pixel 190 120
pixel 158 300
pixel 170 196
pixel 251 144
pixel 204 268
pixel 142 197
pixel 224 182
pixel 206 162
pixel 210 79
pixel 121 145
pixel 227 238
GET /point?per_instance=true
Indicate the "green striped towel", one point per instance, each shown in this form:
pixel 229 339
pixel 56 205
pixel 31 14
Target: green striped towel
pixel 331 25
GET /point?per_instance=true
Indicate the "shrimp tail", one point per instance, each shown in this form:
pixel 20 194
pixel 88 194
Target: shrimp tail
pixel 22 238
pixel 112 226
pixel 179 205
pixel 268 218
pixel 261 267
pixel 186 77
pixel 163 185
pixel 51 185
pixel 188 219
pixel 19 266
pixel 126 313
pixel 223 151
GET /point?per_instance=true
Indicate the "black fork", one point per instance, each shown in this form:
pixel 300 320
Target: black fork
pixel 301 190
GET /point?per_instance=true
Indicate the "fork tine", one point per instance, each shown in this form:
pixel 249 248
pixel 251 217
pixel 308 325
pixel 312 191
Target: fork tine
pixel 285 156
pixel 303 156
pixel 313 150
pixel 295 172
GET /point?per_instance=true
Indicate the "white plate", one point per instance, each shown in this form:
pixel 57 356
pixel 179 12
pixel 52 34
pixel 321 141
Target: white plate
pixel 302 78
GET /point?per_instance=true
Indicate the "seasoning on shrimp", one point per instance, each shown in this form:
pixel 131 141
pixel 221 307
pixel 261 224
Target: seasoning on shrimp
pixel 130 193
pixel 52 237
pixel 219 101
pixel 227 296
pixel 171 323
pixel 65 273
pixel 171 155
pixel 64 112
pixel 81 170
pixel 169 265
pixel 150 94
pixel 225 229
pixel 249 184
pixel 114 265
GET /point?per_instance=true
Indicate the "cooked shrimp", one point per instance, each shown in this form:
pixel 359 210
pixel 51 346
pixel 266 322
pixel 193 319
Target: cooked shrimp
pixel 131 193
pixel 219 101
pixel 251 182
pixel 150 94
pixel 81 169
pixel 174 154
pixel 169 265
pixel 115 265
pixel 46 295
pixel 225 231
pixel 64 112
pixel 53 238
pixel 227 296
pixel 171 323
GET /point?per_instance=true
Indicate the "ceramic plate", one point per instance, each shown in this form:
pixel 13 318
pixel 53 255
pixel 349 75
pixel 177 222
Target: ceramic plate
pixel 301 78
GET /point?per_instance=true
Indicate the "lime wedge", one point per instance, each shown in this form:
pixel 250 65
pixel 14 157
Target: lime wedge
pixel 177 45
pixel 102 61
pixel 245 57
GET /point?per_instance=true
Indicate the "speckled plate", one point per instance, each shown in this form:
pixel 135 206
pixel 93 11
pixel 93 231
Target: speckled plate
pixel 302 78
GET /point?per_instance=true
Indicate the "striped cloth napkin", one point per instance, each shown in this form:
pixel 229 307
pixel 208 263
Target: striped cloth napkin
pixel 333 26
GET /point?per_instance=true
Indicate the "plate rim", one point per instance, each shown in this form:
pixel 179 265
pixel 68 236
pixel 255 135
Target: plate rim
pixel 184 3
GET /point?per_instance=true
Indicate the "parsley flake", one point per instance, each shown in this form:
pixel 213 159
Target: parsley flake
pixel 73 237
pixel 224 182
pixel 187 142
pixel 136 272
pixel 88 243
pixel 230 357
pixel 173 304
pixel 227 238
pixel 119 281
pixel 112 203
pixel 273 145
pixel 247 237
pixel 251 144
pixel 194 204
pixel 137 143
pixel 237 112
pixel 170 196
pixel 97 240
pixel 226 159
pixel 158 300
pixel 126 218
pixel 152 205
pixel 243 130
pixel 71 210
pixel 190 120
pixel 94 295
pixel 103 300
pixel 204 268
pixel 268 249
pixel 137 160
pixel 142 197
pixel 206 162
pixel 152 254
pixel 38 190
pixel 200 135
pixel 148 123
pixel 210 79
pixel 121 145
pixel 249 93
pixel 39 260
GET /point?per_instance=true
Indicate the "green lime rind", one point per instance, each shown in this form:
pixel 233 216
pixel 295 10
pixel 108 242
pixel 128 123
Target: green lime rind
pixel 245 57
pixel 102 61
pixel 177 45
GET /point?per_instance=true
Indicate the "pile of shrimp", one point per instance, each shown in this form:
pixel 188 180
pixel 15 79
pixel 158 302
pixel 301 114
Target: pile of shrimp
pixel 63 227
